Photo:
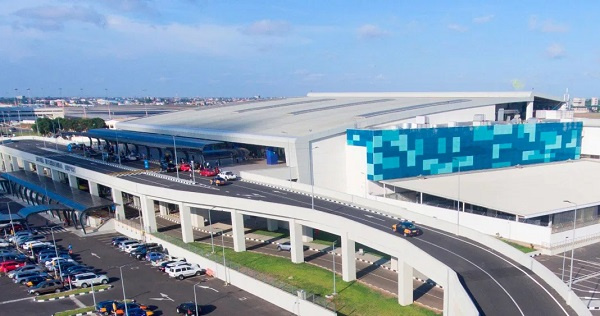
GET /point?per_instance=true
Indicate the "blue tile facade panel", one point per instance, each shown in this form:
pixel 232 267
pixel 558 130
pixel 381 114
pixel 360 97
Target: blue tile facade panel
pixel 402 153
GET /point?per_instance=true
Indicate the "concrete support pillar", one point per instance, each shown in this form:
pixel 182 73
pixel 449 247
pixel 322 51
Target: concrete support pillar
pixel 237 224
pixel 26 165
pixel 296 242
pixel 394 263
pixel 94 190
pixel 529 110
pixel 117 197
pixel 15 163
pixel 55 175
pixel 197 219
pixel 148 215
pixel 272 225
pixel 185 215
pixel 348 259
pixel 7 163
pixel 307 234
pixel 405 283
pixel 72 181
pixel 40 170
pixel 162 208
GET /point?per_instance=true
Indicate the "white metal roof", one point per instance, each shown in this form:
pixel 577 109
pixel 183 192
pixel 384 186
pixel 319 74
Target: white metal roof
pixel 316 115
pixel 528 191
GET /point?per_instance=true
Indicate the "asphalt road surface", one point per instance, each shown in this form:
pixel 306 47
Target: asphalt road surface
pixel 497 285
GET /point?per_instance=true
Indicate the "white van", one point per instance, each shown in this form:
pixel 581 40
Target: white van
pixel 183 271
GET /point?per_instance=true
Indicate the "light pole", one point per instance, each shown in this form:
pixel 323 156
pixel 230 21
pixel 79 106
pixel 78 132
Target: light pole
pixel 175 154
pixel 312 179
pixel 572 245
pixel 224 264
pixel 193 173
pixel 56 253
pixel 212 242
pixel 562 275
pixel 10 216
pixel 333 253
pixel 458 198
pixel 195 299
pixel 123 286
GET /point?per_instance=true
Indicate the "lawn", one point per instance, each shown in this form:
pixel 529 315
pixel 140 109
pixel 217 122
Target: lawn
pixel 74 291
pixel 280 233
pixel 353 298
pixel 325 238
pixel 75 311
pixel 520 247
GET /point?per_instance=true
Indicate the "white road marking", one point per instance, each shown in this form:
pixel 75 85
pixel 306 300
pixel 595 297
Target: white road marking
pixel 373 217
pixel 17 300
pixel 77 302
pixel 209 288
pixel 95 255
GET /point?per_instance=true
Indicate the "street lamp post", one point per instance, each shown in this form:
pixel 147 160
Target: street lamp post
pixel 195 299
pixel 572 245
pixel 193 173
pixel 312 179
pixel 175 154
pixel 224 264
pixel 458 198
pixel 333 253
pixel 56 253
pixel 562 275
pixel 212 242
pixel 10 215
pixel 123 286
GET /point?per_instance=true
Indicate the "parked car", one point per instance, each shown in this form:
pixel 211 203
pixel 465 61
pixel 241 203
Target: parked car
pixel 125 243
pixel 154 256
pixel 27 245
pixel 86 279
pixel 406 228
pixel 286 246
pixel 8 266
pixel 206 172
pixel 185 167
pixel 53 264
pixel 131 157
pixel 20 234
pixel 105 307
pixel 170 266
pixel 36 279
pixel 138 312
pixel 167 166
pixel 116 240
pixel 46 287
pixel 13 256
pixel 130 305
pixel 29 267
pixel 131 247
pixel 228 175
pixel 4 243
pixel 188 308
pixel 183 271
pixel 218 181
pixel 21 276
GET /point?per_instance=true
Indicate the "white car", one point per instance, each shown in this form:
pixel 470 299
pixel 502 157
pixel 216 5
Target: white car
pixel 183 271
pixel 4 243
pixel 126 243
pixel 158 263
pixel 86 279
pixel 52 263
pixel 33 243
pixel 130 247
pixel 227 175
pixel 174 265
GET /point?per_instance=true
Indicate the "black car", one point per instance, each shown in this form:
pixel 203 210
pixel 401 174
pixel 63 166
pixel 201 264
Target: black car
pixel 167 166
pixel 406 228
pixel 139 253
pixel 188 308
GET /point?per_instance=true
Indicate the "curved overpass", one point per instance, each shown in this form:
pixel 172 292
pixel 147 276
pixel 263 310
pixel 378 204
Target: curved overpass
pixel 497 284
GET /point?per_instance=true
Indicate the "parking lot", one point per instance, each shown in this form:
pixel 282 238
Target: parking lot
pixel 586 272
pixel 142 282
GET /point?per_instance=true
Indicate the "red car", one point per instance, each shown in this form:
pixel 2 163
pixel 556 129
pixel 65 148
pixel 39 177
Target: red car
pixel 185 167
pixel 209 172
pixel 7 266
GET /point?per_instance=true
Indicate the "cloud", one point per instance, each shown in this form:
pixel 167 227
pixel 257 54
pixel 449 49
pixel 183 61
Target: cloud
pixel 483 19
pixel 267 28
pixel 555 51
pixel 546 26
pixel 369 31
pixel 53 18
pixel 457 27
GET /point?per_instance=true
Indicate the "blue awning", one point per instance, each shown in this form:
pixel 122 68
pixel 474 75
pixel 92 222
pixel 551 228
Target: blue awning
pixel 29 210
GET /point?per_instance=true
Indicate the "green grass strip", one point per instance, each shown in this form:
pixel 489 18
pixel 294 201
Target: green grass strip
pixel 522 248
pixel 74 291
pixel 76 311
pixel 353 298
pixel 280 233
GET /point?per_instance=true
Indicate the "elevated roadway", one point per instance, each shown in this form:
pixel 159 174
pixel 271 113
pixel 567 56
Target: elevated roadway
pixel 497 285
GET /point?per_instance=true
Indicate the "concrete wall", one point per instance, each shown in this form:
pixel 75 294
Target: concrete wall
pixel 273 295
pixel 356 171
pixel 329 163
pixel 590 142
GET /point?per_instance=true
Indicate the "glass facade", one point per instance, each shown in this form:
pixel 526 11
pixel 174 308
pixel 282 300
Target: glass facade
pixel 401 153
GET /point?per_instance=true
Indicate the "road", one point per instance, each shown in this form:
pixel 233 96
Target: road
pixel 497 285
pixel 143 283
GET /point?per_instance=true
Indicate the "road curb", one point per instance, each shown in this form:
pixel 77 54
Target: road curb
pixel 71 295
pixel 81 314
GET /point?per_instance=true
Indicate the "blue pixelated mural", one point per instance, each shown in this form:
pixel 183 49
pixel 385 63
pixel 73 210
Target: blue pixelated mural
pixel 401 153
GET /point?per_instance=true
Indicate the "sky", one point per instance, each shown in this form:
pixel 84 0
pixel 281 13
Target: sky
pixel 195 48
